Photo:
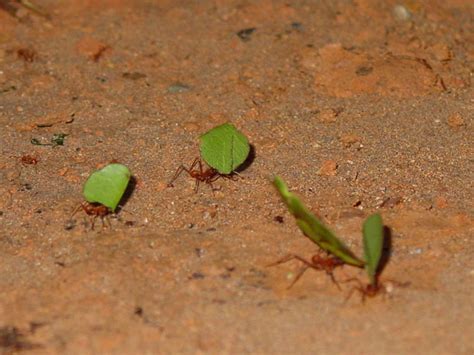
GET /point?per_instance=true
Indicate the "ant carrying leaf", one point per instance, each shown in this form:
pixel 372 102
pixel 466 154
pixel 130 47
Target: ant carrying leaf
pixel 223 149
pixel 373 238
pixel 103 191
pixel 315 230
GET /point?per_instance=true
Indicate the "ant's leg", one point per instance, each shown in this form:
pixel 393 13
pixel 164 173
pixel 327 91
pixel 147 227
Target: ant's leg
pixel 176 175
pixel 298 275
pixel 76 210
pixel 306 266
pixel 349 295
pixel 214 189
pixel 360 284
pixel 199 162
pixel 108 222
pixel 93 222
pixel 213 179
pixel 183 168
pixel 196 186
pixel 333 279
pixel 297 257
pixel 283 260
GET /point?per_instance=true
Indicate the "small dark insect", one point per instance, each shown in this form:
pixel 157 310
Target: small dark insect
pixel 325 263
pixel 94 210
pixel 371 290
pixel 28 160
pixel 278 219
pixel 197 172
pixel 27 54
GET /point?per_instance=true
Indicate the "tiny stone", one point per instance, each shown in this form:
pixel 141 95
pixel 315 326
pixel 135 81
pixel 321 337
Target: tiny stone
pixel 191 126
pixel 328 115
pixel 349 139
pixel 389 287
pixel 401 12
pixel 416 251
pixel 441 52
pixel 70 224
pixel 441 202
pixel 456 120
pixel 328 168
pixel 178 88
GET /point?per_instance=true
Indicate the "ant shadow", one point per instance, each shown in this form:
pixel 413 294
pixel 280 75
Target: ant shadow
pixel 250 159
pixel 127 194
pixel 386 249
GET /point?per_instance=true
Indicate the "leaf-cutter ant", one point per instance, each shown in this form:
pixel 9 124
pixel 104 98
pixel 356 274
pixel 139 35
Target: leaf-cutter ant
pixel 371 289
pixel 94 210
pixel 318 262
pixel 197 171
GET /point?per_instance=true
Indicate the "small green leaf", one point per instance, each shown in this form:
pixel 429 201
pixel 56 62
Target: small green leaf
pixel 313 228
pixel 58 139
pixel 373 244
pixel 224 148
pixel 107 186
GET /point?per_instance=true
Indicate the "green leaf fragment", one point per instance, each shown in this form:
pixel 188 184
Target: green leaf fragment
pixel 107 186
pixel 58 139
pixel 373 244
pixel 313 228
pixel 224 148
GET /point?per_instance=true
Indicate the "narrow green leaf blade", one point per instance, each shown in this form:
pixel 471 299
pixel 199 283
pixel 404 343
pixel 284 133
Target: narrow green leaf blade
pixel 373 244
pixel 313 228
pixel 107 186
pixel 224 148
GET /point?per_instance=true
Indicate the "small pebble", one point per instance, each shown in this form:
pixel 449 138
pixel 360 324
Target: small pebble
pixel 401 12
pixel 456 120
pixel 416 251
pixel 328 115
pixel 328 168
pixel 178 88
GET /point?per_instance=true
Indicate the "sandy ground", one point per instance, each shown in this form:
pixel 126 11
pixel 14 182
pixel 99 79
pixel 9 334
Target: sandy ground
pixel 361 106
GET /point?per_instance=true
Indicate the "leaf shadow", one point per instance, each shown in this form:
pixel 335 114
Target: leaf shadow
pixel 386 249
pixel 250 159
pixel 128 193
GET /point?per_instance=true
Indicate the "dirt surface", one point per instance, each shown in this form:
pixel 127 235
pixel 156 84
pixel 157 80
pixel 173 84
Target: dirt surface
pixel 361 106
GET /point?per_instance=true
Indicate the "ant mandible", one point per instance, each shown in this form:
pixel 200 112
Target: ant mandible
pixel 318 262
pixel 94 210
pixel 197 172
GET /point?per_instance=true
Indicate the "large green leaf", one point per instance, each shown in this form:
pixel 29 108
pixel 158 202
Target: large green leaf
pixel 224 148
pixel 313 228
pixel 373 244
pixel 107 186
